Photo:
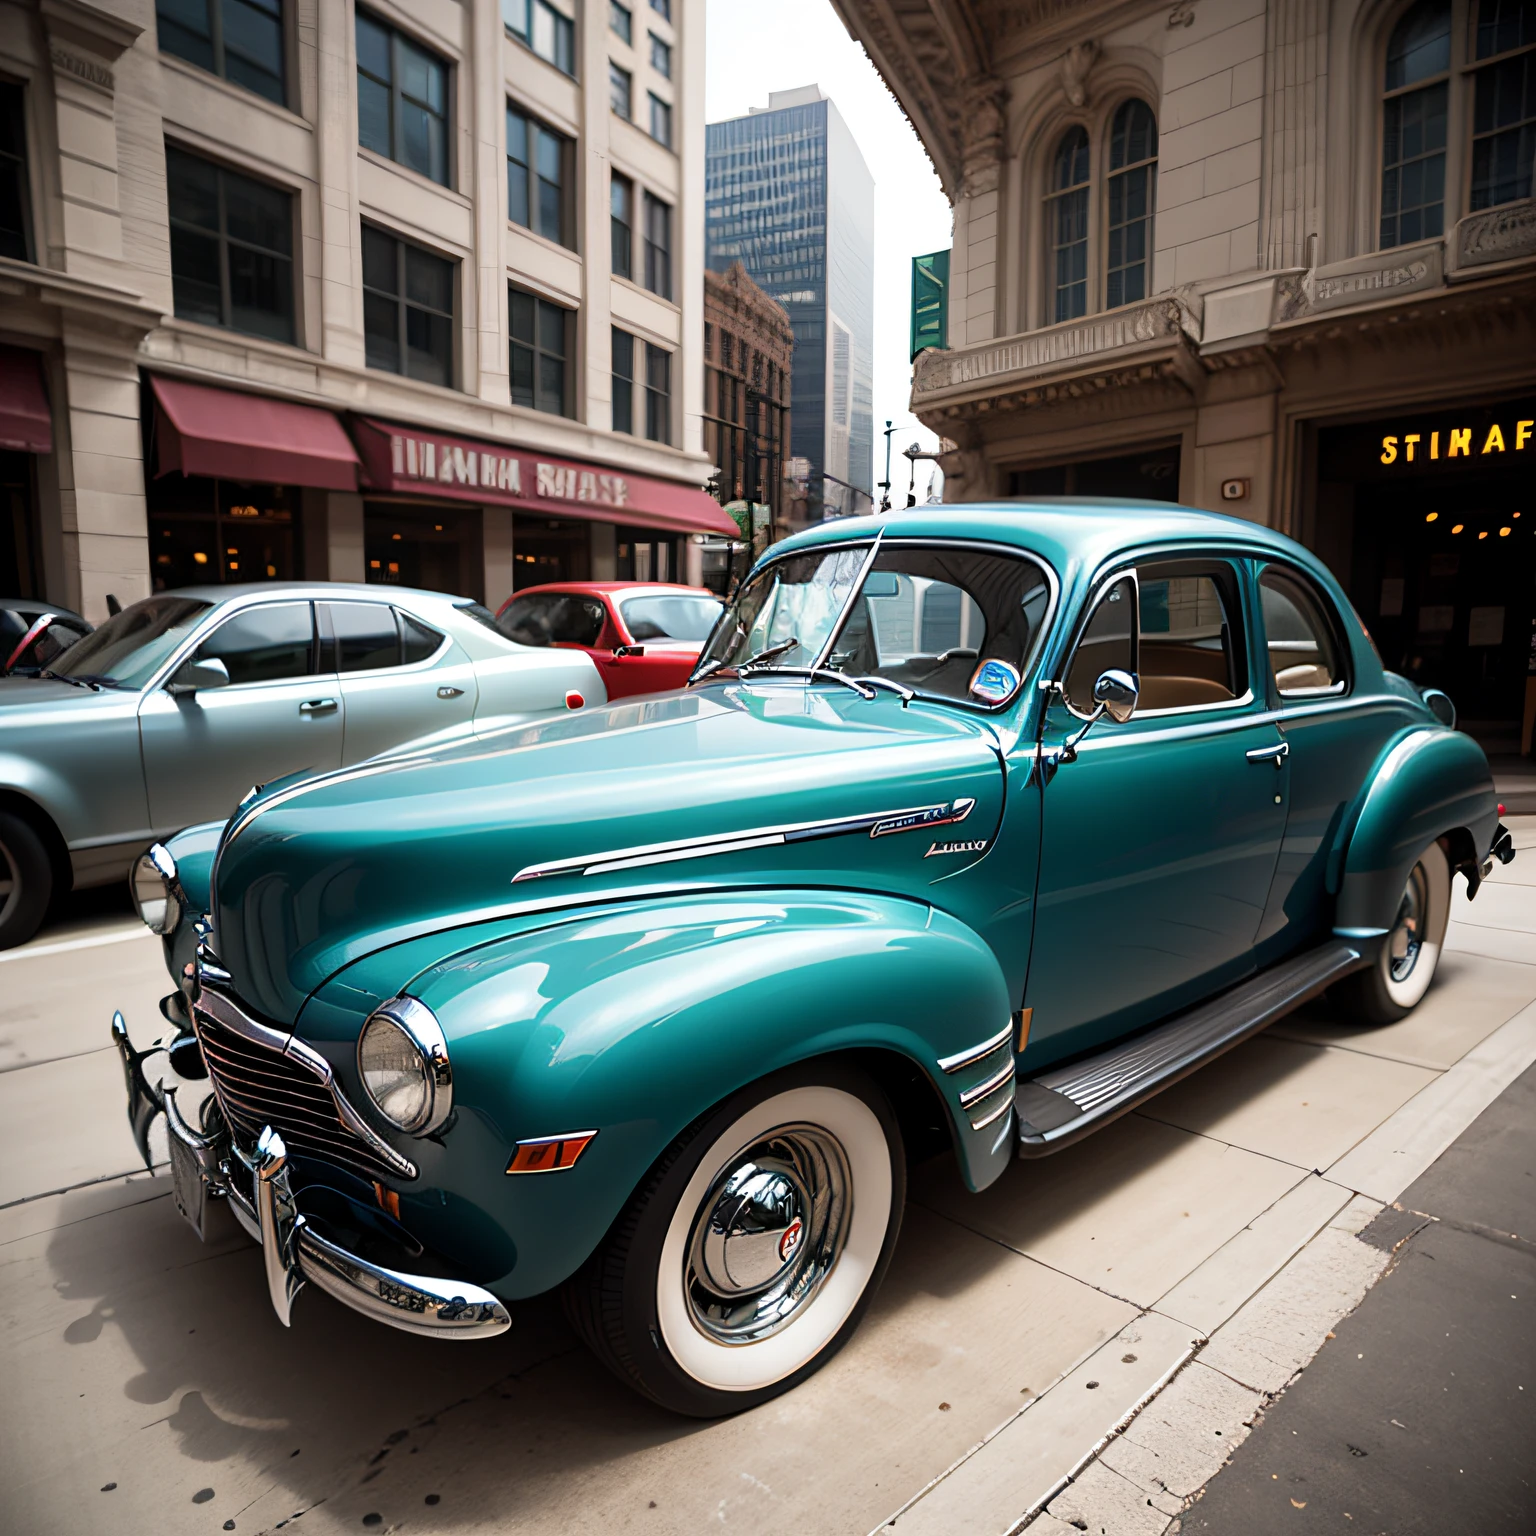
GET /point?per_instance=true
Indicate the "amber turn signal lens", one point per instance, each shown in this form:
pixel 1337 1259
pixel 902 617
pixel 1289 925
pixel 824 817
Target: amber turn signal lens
pixel 549 1154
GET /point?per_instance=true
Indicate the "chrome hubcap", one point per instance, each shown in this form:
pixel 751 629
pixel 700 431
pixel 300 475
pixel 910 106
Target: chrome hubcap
pixel 1406 939
pixel 767 1234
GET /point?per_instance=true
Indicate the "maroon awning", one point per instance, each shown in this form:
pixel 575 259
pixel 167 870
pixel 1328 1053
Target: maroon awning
pixel 25 424
pixel 397 458
pixel 202 431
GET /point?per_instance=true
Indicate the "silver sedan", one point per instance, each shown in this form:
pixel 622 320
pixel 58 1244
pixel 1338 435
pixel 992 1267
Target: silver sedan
pixel 170 711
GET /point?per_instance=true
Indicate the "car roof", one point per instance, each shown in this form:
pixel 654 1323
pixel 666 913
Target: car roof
pixel 628 588
pixel 1072 533
pixel 212 592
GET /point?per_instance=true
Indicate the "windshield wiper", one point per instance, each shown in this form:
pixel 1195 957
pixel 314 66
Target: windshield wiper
pixel 64 677
pixel 821 674
pixel 720 664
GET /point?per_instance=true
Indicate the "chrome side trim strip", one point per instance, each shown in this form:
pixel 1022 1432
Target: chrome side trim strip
pixel 976 1052
pixel 876 823
pixel 998 1113
pixel 991 1085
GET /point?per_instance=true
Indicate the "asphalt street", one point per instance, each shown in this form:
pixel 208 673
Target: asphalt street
pixel 148 1386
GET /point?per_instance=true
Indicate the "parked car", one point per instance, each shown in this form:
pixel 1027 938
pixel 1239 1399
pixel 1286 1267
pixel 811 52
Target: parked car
pixel 644 636
pixel 975 828
pixel 173 708
pixel 34 634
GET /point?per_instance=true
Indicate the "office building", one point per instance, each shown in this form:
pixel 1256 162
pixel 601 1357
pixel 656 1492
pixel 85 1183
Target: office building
pixel 788 195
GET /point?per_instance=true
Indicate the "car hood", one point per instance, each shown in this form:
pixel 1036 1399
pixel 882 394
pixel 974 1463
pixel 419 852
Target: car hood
pixel 802 786
pixel 21 696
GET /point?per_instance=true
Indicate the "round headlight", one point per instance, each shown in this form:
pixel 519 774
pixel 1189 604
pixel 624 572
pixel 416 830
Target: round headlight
pixel 402 1058
pixel 156 892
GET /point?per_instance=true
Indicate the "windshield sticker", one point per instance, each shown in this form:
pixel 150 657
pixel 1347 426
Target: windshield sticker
pixel 995 682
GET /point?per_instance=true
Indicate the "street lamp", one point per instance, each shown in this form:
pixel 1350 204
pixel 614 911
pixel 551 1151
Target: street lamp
pixel 912 455
pixel 885 485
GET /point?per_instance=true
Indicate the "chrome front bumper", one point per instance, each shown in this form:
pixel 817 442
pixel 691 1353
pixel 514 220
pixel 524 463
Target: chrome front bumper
pixel 293 1252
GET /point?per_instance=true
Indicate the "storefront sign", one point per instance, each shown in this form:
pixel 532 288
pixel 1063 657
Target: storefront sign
pixel 1457 442
pixel 399 458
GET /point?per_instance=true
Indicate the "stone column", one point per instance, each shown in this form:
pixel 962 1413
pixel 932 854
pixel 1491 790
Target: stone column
pixel 487 374
pixel 496 540
pixel 604 552
pixel 345 557
pixel 341 256
pixel 1295 114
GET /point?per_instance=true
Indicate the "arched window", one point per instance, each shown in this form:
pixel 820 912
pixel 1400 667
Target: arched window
pixel 1458 129
pixel 1414 120
pixel 1068 221
pixel 1132 193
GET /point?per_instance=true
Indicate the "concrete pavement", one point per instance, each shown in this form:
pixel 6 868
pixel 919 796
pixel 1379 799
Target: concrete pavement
pixel 1016 1337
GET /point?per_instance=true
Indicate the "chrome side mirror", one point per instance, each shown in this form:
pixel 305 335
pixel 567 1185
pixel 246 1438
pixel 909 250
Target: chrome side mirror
pixel 194 674
pixel 1116 693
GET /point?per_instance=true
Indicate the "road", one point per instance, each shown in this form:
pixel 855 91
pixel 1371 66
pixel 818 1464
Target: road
pixel 148 1387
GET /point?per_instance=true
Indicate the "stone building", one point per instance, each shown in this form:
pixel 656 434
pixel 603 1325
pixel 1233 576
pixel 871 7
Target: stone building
pixel 1272 257
pixel 309 288
pixel 748 356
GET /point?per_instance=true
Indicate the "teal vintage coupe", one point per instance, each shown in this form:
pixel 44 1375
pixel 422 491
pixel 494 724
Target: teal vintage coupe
pixel 973 828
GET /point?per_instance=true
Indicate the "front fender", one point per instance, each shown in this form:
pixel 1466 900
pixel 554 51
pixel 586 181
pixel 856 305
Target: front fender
pixel 1429 783
pixel 635 1021
pixel 194 849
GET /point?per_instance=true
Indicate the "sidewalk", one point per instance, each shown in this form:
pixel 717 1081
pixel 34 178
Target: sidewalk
pixel 1419 1413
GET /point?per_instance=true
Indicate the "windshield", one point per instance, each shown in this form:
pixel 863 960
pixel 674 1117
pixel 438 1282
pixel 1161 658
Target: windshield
pixel 671 615
pixel 131 646
pixel 944 621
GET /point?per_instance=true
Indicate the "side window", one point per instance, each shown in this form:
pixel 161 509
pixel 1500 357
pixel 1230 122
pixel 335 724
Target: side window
pixel 1190 652
pixel 419 641
pixel 1108 640
pixel 264 644
pixel 1304 653
pixel 553 618
pixel 366 637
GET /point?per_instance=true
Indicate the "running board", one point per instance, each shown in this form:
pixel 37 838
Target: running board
pixel 1064 1105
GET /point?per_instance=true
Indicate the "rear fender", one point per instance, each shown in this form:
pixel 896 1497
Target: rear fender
pixel 1429 784
pixel 636 1022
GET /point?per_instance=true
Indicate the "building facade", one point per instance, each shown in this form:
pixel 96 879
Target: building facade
pixel 303 288
pixel 788 195
pixel 749 348
pixel 1270 257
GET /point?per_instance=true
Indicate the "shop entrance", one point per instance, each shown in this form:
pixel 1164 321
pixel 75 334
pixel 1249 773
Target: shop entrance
pixel 435 548
pixel 19 574
pixel 1441 556
pixel 204 530
pixel 647 554
pixel 549 549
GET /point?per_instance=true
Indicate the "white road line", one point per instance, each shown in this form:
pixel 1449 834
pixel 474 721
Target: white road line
pixel 89 941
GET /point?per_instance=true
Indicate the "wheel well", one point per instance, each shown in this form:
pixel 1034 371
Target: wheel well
pixel 926 1128
pixel 1461 853
pixel 42 823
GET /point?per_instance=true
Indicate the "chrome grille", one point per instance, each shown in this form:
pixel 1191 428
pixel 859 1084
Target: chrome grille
pixel 261 1081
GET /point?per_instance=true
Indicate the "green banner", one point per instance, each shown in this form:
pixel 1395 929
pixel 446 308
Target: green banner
pixel 930 301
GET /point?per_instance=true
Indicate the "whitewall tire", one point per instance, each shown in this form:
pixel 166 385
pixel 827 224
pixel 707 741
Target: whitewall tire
pixel 1406 963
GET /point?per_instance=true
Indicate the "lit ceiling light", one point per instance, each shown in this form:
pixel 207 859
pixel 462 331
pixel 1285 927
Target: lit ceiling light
pixel 200 557
pixel 1458 527
pixel 1483 534
pixel 1431 517
pixel 1504 532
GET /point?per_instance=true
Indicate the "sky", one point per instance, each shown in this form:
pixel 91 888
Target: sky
pixel 753 47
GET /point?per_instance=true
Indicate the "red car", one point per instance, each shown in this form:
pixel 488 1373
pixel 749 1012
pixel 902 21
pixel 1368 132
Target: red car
pixel 644 636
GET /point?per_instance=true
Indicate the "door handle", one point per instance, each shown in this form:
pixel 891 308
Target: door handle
pixel 318 707
pixel 450 693
pixel 1276 754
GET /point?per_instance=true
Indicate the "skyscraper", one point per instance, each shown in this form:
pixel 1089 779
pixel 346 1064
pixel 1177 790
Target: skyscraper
pixel 788 195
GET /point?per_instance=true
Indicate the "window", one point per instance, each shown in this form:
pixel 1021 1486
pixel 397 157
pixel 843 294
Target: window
pixel 407 309
pixel 1504 102
pixel 366 637
pixel 553 618
pixel 620 90
pixel 231 248
pixel 661 56
pixel 1068 223
pixel 15 202
pixel 621 225
pixel 624 346
pixel 1305 656
pixel 680 616
pixel 1108 641
pixel 1189 652
pixel 539 26
pixel 658 246
pixel 402 99
pixel 1414 117
pixel 538 176
pixel 1132 189
pixel 661 120
pixel 658 394
pixel 541 346
pixel 621 20
pixel 663 8
pixel 264 645
pixel 242 40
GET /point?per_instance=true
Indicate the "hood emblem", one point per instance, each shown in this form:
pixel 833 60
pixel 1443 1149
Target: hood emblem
pixel 930 816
